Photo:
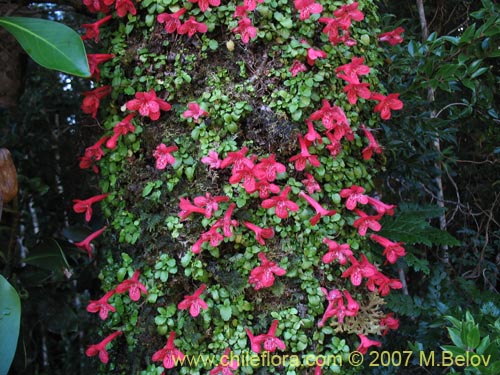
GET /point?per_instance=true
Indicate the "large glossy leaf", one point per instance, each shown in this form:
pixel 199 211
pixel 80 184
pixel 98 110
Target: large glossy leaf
pixel 10 318
pixel 51 44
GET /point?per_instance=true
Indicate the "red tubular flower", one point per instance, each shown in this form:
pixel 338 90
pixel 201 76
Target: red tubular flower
pixel 307 8
pixel 386 104
pixel 268 340
pixel 381 207
pixel 148 104
pixel 335 147
pixel 92 154
pixel 187 208
pixel 265 188
pixel 260 233
pixel 92 29
pixel 171 21
pixel 354 69
pixel 194 111
pixel 169 354
pixel 354 89
pixel 267 169
pixel 225 367
pixel 319 366
pixel 194 303
pixel 358 270
pixel 352 305
pixel 212 160
pixel 392 37
pixel 348 12
pixel 365 221
pixel 163 155
pixel 211 204
pixel 312 135
pixel 354 195
pixel 314 54
pixel 331 117
pixel 281 203
pixel 320 210
pixel 373 146
pixel 96 6
pixel 311 184
pixel 122 128
pixel 366 343
pixel 336 252
pixel 94 60
pixel 246 174
pixel 241 11
pixel 237 159
pixel 212 236
pixel 86 243
pixel 246 29
pixel 389 322
pixel 335 306
pixel 263 275
pixel 123 7
pixel 205 4
pixel 133 286
pixel 81 206
pixel 251 4
pixel 100 348
pixel 226 223
pixel 92 99
pixel 101 305
pixel 297 67
pixel 191 27
pixel 384 283
pixel 304 156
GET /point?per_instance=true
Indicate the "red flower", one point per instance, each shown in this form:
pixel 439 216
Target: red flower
pixel 365 221
pixel 251 4
pixel 204 4
pixel 237 159
pixel 311 184
pixel 212 160
pixel 125 6
pixel 336 306
pixel 384 284
pixel 81 206
pixel 354 195
pixel 312 135
pixel 241 11
pixel 260 233
pixel 381 207
pixel 366 343
pixel 263 275
pixel 95 6
pixel 187 208
pixel 358 270
pixel 92 29
pixel 246 174
pixel 307 8
pixel 373 146
pixel 297 67
pixel 92 99
pixel 332 30
pixel 267 169
pixel 171 21
pixel 336 252
pixel 335 147
pixel 92 154
pixel 352 305
pixel 320 210
pixel 133 286
pixel 281 203
pixel 348 12
pixel 122 128
pixel 269 340
pixel 212 236
pixel 194 111
pixel 191 27
pixel 194 303
pixel 389 322
pixel 225 367
pixel 226 223
pixel 392 37
pixel 94 61
pixel 163 155
pixel 210 203
pixel 148 104
pixel 100 348
pixel 86 243
pixel 246 29
pixel 101 305
pixel 386 104
pixel 355 89
pixel 354 69
pixel 304 156
pixel 264 187
pixel 331 117
pixel 169 354
pixel 313 54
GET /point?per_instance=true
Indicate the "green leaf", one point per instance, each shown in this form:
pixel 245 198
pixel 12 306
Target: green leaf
pixel 50 44
pixel 10 318
pixel 48 255
pixel 225 312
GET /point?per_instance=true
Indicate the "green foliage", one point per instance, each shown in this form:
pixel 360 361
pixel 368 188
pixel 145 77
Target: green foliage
pixel 51 44
pixel 10 318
